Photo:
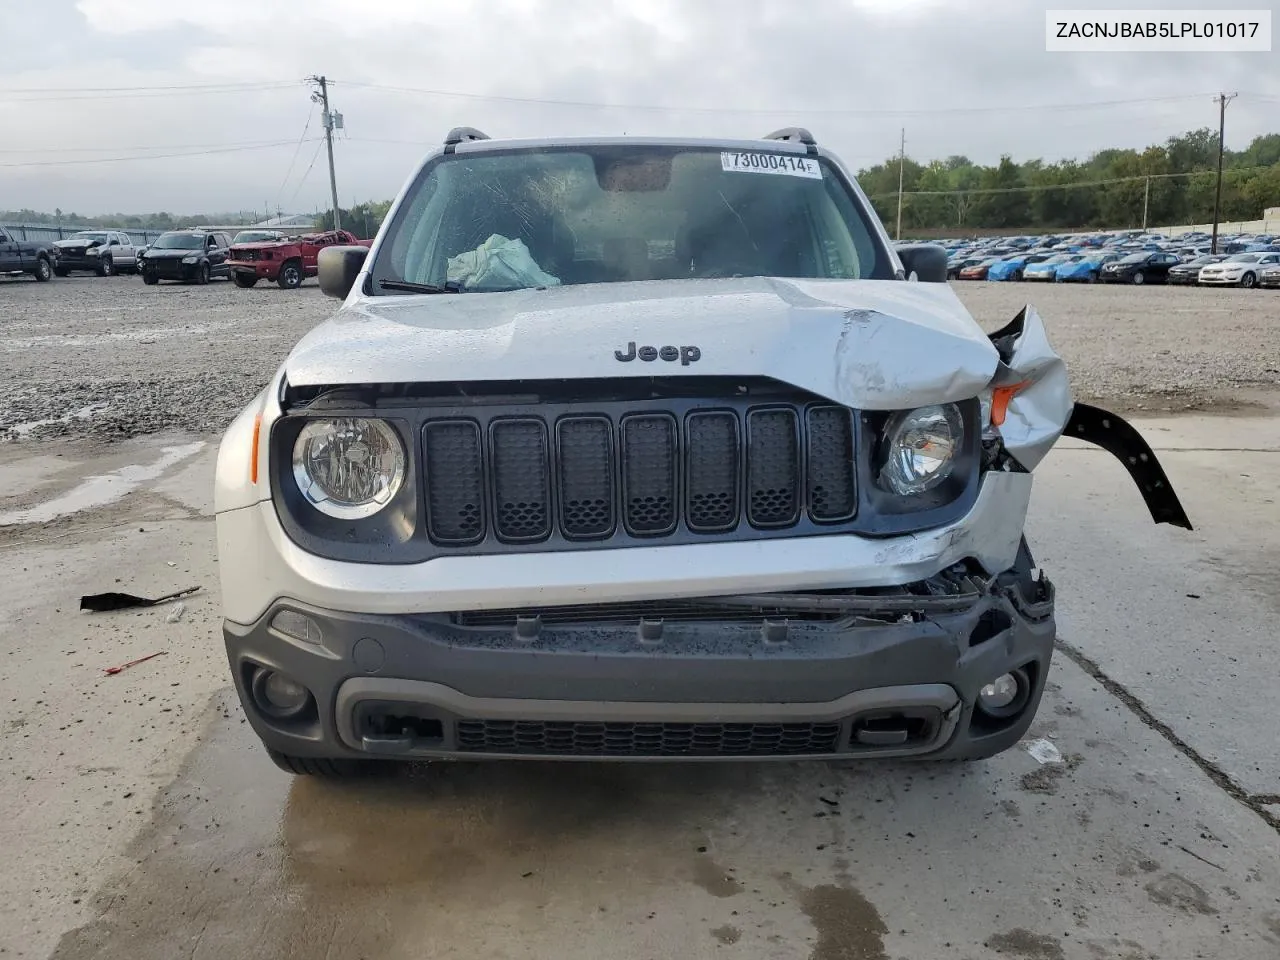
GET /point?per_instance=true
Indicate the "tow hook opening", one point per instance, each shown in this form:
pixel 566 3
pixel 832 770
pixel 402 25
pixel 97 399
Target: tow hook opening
pixel 392 728
pixel 895 728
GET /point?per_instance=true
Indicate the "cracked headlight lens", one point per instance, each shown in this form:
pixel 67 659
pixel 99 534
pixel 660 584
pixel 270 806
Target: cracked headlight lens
pixel 349 468
pixel 922 446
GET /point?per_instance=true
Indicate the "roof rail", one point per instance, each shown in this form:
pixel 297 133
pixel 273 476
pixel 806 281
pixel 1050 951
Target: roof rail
pixel 793 134
pixel 461 135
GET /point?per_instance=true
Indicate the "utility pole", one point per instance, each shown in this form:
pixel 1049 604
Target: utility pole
pixel 1223 100
pixel 330 121
pixel 902 162
pixel 1146 200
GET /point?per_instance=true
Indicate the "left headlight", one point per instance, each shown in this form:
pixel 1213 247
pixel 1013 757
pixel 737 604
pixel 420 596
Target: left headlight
pixel 348 468
pixel 921 448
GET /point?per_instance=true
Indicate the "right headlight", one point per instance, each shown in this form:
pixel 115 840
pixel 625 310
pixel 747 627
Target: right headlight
pixel 921 447
pixel 348 468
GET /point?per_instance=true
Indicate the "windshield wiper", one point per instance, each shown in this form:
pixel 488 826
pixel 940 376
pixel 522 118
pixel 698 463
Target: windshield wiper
pixel 410 287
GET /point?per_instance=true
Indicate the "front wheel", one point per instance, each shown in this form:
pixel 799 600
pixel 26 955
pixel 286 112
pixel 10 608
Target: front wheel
pixel 60 271
pixel 106 267
pixel 1249 280
pixel 1091 278
pixel 290 276
pixel 202 276
pixel 43 270
pixel 150 279
pixel 244 280
pixel 1139 278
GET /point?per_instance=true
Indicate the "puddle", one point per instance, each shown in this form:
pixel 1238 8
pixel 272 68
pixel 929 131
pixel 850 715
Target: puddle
pixel 84 413
pixel 100 490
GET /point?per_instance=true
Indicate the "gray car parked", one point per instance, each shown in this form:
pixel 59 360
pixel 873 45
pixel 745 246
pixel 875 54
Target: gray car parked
pixel 103 252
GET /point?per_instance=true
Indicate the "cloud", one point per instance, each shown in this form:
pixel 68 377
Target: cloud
pixel 766 64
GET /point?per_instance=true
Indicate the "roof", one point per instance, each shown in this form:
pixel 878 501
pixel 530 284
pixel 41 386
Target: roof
pixel 774 146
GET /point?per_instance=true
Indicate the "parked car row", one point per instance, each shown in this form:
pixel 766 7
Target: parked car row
pixel 186 256
pixel 1135 258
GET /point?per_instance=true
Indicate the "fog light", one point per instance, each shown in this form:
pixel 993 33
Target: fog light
pixel 279 695
pixel 1000 692
pixel 1006 695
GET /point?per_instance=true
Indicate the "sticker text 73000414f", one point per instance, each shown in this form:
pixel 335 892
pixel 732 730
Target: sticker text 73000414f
pixel 787 166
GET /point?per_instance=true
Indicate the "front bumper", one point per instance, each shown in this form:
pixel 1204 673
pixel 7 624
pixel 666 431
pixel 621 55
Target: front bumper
pixel 424 686
pixel 262 269
pixel 1218 280
pixel 170 269
pixel 77 263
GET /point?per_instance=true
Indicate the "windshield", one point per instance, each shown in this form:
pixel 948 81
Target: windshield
pixel 254 236
pixel 1136 258
pixel 1245 258
pixel 178 241
pixel 100 237
pixel 504 221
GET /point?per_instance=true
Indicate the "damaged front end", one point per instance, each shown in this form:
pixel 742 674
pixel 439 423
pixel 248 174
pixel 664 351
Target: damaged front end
pixel 1030 408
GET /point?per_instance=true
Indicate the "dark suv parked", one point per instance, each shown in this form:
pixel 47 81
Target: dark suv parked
pixel 1140 267
pixel 192 256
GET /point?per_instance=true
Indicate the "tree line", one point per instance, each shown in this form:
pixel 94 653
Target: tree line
pixel 1175 180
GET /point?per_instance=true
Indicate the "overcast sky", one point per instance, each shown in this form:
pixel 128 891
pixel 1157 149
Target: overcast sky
pixel 958 74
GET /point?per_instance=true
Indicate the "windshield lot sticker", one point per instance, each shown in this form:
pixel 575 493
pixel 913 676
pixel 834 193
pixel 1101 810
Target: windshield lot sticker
pixel 771 163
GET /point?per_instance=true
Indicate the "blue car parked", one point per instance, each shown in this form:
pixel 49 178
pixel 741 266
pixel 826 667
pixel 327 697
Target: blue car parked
pixel 1011 268
pixel 1047 269
pixel 1083 269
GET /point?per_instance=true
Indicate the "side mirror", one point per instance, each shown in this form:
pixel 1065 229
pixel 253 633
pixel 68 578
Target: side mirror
pixel 927 261
pixel 338 268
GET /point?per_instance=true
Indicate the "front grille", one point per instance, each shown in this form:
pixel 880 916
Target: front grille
pixel 589 476
pixel 627 739
pixel 631 613
pixel 244 255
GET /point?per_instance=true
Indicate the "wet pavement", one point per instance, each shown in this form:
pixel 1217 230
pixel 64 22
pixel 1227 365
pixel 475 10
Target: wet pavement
pixel 146 822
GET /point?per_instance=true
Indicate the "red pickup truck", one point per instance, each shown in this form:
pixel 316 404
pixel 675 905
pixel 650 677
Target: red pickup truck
pixel 285 261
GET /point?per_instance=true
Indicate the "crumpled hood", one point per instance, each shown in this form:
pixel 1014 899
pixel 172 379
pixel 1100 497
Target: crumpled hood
pixel 72 244
pixel 868 344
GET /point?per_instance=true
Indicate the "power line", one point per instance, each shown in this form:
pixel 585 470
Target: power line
pixel 306 173
pixel 845 112
pixel 146 93
pixel 150 156
pixel 294 159
pixel 166 146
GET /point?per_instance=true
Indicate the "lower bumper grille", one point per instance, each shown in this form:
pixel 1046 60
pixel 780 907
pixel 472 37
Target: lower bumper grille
pixel 580 738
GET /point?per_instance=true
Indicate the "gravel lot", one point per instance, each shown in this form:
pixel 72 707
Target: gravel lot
pixel 112 358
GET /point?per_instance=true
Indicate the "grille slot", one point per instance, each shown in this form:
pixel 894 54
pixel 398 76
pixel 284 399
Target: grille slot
pixel 627 739
pixel 831 484
pixel 521 480
pixel 711 488
pixel 585 447
pixel 455 481
pixel 773 475
pixel 649 474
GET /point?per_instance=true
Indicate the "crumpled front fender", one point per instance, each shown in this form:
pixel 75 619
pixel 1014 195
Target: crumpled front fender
pixel 1031 407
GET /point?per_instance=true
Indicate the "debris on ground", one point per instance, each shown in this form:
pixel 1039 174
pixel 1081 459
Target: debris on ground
pixel 1043 751
pixel 112 671
pixel 102 602
pixel 176 613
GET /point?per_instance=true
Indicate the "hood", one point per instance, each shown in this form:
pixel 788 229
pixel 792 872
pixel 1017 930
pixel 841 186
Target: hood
pixel 868 344
pixel 154 254
pixel 75 244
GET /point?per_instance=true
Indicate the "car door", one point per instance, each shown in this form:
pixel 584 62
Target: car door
pixel 219 249
pixel 10 258
pixel 128 252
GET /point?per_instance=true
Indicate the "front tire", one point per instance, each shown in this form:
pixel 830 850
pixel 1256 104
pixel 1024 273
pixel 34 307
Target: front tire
pixel 106 267
pixel 290 276
pixel 43 270
pixel 59 271
pixel 244 281
pixel 326 767
pixel 1249 281
pixel 150 279
pixel 202 275
pixel 1139 278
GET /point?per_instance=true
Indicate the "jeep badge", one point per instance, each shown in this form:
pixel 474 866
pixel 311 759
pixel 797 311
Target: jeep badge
pixel 686 355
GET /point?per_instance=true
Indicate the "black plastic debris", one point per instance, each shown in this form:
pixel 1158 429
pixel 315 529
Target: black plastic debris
pixel 102 602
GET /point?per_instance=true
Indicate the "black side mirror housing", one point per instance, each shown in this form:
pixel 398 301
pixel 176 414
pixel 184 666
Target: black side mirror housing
pixel 927 261
pixel 338 268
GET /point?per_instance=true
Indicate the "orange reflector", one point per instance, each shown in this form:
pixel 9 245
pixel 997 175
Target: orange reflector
pixel 1000 398
pixel 253 457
